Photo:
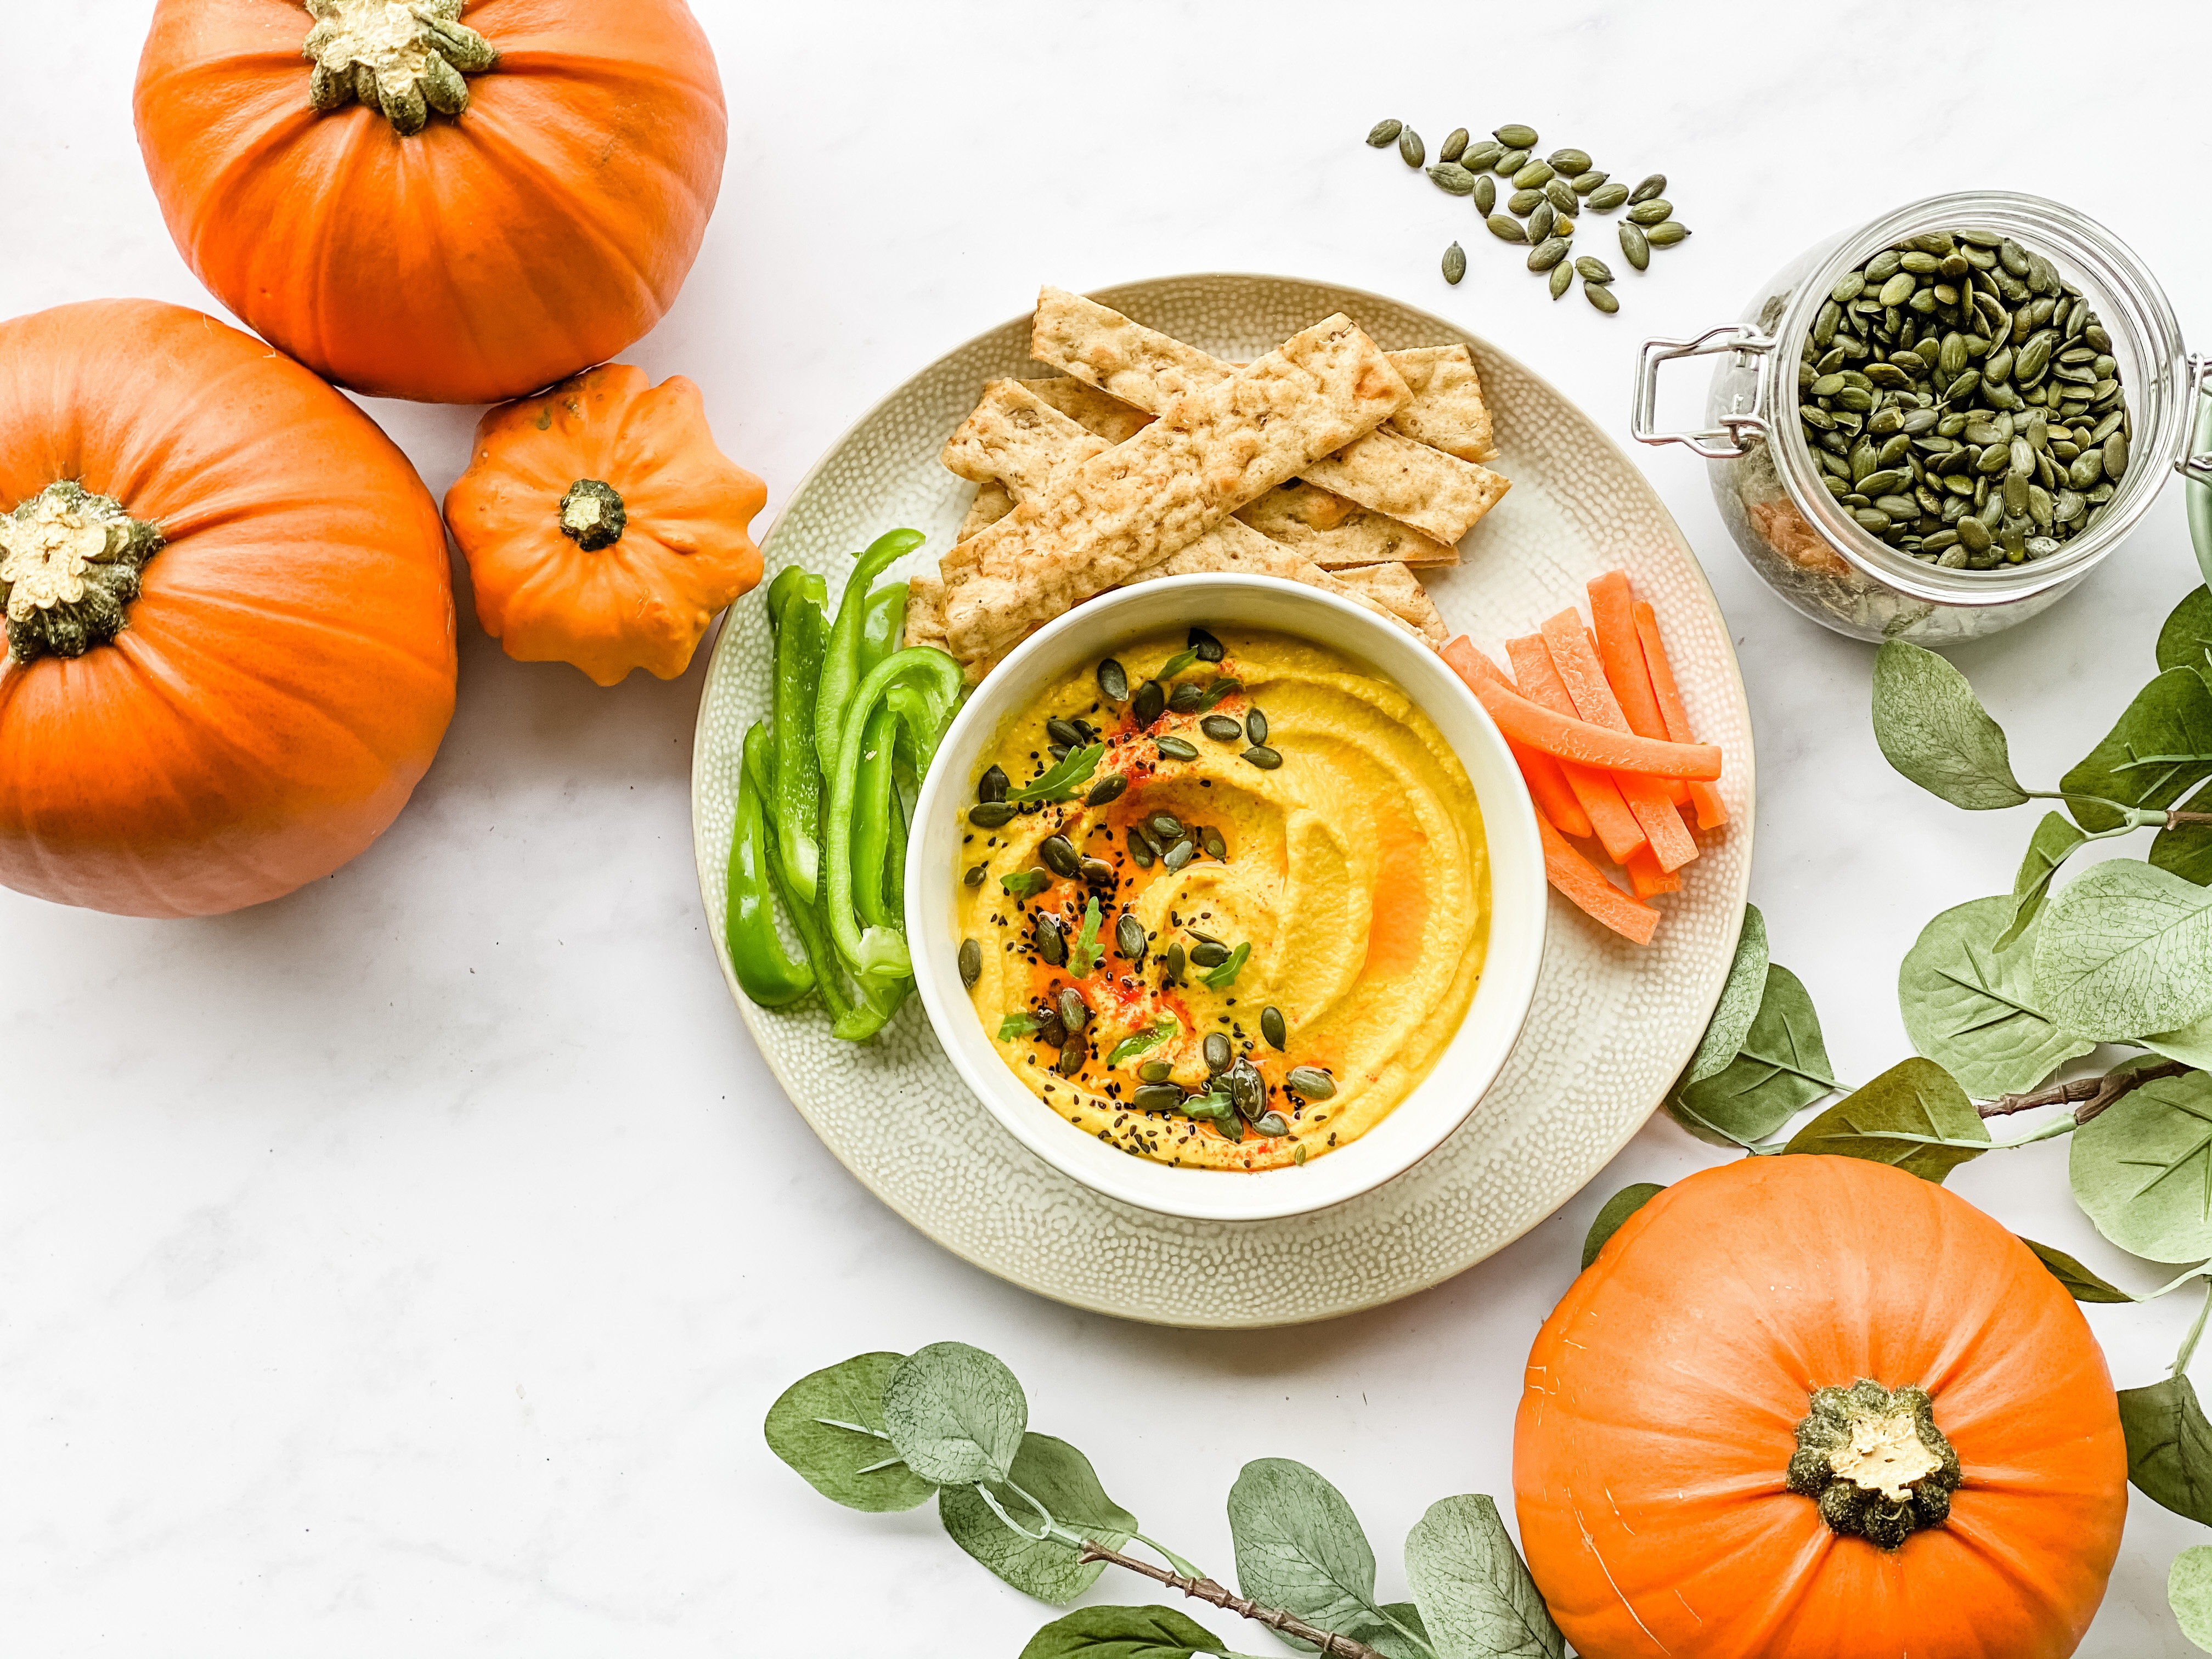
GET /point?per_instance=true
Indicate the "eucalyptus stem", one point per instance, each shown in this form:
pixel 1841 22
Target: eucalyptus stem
pixel 2090 1097
pixel 1204 1589
pixel 2138 817
pixel 2189 1343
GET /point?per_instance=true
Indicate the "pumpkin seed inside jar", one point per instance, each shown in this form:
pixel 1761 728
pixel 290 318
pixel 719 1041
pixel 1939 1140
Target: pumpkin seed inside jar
pixel 1962 401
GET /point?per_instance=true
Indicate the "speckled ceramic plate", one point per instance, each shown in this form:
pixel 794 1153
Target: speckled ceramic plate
pixel 1611 1025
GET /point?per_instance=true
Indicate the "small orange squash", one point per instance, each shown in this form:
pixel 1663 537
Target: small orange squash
pixel 602 526
pixel 451 203
pixel 1708 1441
pixel 229 614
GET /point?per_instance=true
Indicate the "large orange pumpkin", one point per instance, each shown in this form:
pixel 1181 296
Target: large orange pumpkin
pixel 229 616
pixel 602 526
pixel 422 202
pixel 1671 1401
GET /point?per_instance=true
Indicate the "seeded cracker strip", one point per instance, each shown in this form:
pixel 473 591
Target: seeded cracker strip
pixel 1447 412
pixel 992 503
pixel 1033 446
pixel 1090 408
pixel 1121 513
pixel 1438 494
pixel 1341 535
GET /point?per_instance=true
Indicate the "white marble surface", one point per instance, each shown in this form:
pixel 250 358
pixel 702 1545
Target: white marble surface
pixel 405 1267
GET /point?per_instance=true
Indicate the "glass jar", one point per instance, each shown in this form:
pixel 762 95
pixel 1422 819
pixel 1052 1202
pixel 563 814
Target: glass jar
pixel 1806 544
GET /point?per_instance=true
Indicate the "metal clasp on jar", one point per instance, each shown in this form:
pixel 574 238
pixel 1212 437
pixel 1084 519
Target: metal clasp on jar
pixel 1721 443
pixel 2197 465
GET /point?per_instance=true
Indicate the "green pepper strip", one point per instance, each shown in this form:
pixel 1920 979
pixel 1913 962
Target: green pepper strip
pixel 878 953
pixel 795 602
pixel 840 659
pixel 764 968
pixel 885 624
pixel 873 812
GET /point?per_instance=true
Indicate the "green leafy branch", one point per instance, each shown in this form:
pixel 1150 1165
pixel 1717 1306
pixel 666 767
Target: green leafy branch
pixel 886 1432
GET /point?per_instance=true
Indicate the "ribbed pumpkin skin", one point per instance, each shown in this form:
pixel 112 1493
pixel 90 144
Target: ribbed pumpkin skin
pixel 288 669
pixel 1664 1395
pixel 543 230
pixel 647 599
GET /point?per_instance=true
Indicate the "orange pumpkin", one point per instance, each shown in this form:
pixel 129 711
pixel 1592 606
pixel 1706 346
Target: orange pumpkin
pixel 418 204
pixel 1712 1355
pixel 229 616
pixel 602 526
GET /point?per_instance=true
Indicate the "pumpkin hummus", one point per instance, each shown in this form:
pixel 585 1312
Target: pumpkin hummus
pixel 1246 934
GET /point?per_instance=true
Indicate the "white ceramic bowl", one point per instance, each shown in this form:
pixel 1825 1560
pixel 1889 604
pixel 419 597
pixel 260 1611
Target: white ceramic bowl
pixel 1518 902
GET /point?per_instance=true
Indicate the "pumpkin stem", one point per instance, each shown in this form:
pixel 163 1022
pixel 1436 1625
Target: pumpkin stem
pixel 401 57
pixel 68 565
pixel 1874 1462
pixel 593 515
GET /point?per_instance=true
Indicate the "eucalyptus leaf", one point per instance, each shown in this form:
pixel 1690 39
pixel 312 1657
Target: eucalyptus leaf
pixel 2186 848
pixel 1476 1598
pixel 2159 749
pixel 2054 839
pixel 1614 1211
pixel 2141 1170
pixel 2126 949
pixel 1392 1639
pixel 1300 1547
pixel 1970 1006
pixel 2189 1589
pixel 1915 1097
pixel 1123 1633
pixel 1933 728
pixel 806 1428
pixel 1738 1006
pixel 2169 1446
pixel 2083 1284
pixel 2191 1045
pixel 2185 640
pixel 1782 1068
pixel 1062 1479
pixel 955 1414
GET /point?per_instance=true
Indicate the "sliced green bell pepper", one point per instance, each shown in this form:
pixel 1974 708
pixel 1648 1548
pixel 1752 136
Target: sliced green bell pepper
pixel 840 657
pixel 765 970
pixel 795 601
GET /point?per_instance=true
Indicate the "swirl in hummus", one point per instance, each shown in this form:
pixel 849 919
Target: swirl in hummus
pixel 1335 898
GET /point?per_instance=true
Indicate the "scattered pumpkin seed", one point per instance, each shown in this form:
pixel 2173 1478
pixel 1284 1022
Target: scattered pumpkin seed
pixel 1209 953
pixel 1666 233
pixel 1409 147
pixel 1074 1012
pixel 1515 136
pixel 1060 855
pixel 1205 647
pixel 1563 199
pixel 1051 940
pixel 1221 727
pixel 1174 963
pixel 1509 163
pixel 1113 681
pixel 1149 702
pixel 1652 212
pixel 1569 161
pixel 1607 197
pixel 1072 1056
pixel 1651 187
pixel 1591 269
pixel 1187 697
pixel 1311 1082
pixel 971 962
pixel 1455 264
pixel 1175 749
pixel 1383 131
pixel 1480 157
pixel 1600 296
pixel 1111 787
pixel 1255 725
pixel 1178 855
pixel 1505 229
pixel 1486 195
pixel 1586 183
pixel 1261 755
pixel 1540 220
pixel 994 785
pixel 1547 253
pixel 1155 1070
pixel 1455 146
pixel 1067 733
pixel 1533 176
pixel 1166 828
pixel 1097 872
pixel 1129 938
pixel 1563 278
pixel 1636 246
pixel 1452 179
pixel 1218 1053
pixel 991 814
pixel 1157 1097
pixel 1522 202
pixel 974 876
pixel 1211 843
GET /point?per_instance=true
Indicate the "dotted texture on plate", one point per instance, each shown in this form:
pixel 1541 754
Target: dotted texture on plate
pixel 1611 1025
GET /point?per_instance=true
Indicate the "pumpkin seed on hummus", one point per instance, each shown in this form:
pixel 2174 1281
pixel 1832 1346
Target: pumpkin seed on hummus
pixel 1342 894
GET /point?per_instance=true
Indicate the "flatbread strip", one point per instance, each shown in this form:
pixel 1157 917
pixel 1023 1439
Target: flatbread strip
pixel 1119 513
pixel 1438 494
pixel 1034 446
pixel 1447 412
pixel 1336 534
pixel 1341 535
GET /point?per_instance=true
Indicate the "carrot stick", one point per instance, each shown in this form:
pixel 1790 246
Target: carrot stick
pixel 1712 815
pixel 1646 795
pixel 1621 652
pixel 1645 877
pixel 1585 886
pixel 1611 821
pixel 1547 784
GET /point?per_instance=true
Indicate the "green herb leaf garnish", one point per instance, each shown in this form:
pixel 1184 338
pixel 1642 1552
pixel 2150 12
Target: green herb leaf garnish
pixel 1223 977
pixel 1017 1025
pixel 1062 780
pixel 1175 664
pixel 1022 883
pixel 1083 955
pixel 1138 1042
